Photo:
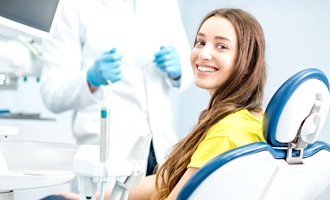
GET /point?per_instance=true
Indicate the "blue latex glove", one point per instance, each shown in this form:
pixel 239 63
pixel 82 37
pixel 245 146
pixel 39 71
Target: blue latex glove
pixel 168 60
pixel 105 68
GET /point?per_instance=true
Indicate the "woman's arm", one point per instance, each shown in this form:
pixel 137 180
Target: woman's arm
pixel 186 176
pixel 143 190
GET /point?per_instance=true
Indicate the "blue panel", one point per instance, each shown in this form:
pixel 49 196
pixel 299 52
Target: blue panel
pixel 223 159
pixel 312 149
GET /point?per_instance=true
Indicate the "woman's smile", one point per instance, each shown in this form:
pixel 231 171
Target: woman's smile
pixel 207 69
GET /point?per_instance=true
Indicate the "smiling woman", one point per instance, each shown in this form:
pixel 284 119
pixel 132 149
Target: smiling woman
pixel 228 59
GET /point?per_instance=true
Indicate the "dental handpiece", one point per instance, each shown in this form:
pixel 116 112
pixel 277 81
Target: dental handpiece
pixel 105 125
pixel 105 134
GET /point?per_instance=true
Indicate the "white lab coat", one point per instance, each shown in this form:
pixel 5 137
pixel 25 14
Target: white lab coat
pixel 140 100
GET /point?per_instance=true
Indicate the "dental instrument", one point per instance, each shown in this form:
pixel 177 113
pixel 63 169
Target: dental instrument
pixel 146 65
pixel 93 164
pixel 105 137
pixel 136 156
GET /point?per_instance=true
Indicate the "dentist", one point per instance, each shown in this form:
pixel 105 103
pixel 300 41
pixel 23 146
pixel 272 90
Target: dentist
pixel 140 47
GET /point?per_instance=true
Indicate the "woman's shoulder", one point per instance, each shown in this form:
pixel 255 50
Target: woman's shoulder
pixel 243 115
pixel 237 120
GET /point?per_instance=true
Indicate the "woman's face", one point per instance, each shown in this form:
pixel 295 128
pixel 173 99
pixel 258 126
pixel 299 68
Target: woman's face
pixel 214 55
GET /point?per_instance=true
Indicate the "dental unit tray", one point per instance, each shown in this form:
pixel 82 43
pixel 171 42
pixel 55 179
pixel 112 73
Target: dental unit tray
pixel 28 165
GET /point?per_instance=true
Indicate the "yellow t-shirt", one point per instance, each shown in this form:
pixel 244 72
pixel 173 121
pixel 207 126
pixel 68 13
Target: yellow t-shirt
pixel 235 130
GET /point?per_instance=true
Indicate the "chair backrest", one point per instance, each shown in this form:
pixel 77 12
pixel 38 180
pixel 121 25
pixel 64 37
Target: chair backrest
pixel 290 165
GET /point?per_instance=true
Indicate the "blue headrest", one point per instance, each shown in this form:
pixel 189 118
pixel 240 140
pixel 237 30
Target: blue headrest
pixel 301 106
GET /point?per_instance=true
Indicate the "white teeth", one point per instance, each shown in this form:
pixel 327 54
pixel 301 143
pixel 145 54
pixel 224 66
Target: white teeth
pixel 205 69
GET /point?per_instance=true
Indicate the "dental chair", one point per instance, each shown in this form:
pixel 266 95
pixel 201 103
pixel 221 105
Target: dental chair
pixel 290 165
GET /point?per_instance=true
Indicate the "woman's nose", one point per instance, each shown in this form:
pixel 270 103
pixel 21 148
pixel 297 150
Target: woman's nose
pixel 205 53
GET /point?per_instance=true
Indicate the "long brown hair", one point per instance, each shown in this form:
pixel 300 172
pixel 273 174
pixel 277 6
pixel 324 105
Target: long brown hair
pixel 243 89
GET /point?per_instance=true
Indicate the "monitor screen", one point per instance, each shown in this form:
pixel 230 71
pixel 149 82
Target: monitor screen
pixel 32 17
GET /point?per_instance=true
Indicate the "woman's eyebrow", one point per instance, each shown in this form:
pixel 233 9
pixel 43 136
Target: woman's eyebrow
pixel 216 37
pixel 201 34
pixel 222 38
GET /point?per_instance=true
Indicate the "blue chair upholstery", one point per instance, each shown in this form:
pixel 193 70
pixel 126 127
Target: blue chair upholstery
pixel 290 165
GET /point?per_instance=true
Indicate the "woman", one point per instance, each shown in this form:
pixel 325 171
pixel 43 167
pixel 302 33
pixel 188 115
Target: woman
pixel 228 59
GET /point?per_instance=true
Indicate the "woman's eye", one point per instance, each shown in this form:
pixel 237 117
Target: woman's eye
pixel 200 43
pixel 220 46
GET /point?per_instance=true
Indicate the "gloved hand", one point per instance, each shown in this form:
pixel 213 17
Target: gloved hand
pixel 168 60
pixel 105 68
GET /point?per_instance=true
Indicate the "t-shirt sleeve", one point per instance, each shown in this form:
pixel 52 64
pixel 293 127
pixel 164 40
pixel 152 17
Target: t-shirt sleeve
pixel 235 130
pixel 209 148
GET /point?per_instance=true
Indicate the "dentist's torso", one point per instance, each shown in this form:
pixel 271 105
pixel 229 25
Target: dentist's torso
pixel 140 100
